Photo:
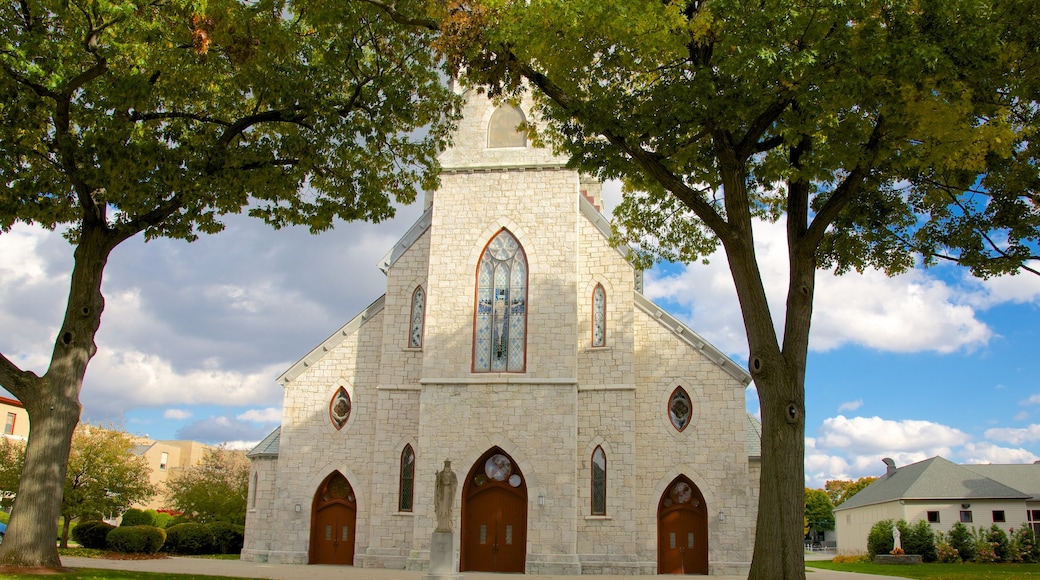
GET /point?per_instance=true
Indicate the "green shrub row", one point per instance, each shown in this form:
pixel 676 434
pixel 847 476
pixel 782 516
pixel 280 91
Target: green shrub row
pixel 137 517
pixel 961 544
pixel 186 538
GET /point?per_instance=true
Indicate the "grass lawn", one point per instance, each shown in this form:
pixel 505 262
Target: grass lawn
pixel 98 574
pixel 936 571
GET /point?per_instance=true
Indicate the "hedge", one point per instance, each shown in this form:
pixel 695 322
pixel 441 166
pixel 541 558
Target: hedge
pixel 92 534
pixel 136 539
pixel 189 538
pixel 136 517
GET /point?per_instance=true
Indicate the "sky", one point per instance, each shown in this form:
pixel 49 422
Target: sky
pixel 193 336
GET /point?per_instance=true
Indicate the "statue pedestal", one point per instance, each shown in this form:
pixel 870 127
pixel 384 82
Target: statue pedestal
pixel 442 557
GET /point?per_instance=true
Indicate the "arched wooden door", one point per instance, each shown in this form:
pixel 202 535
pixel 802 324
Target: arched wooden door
pixel 333 522
pixel 494 516
pixel 682 530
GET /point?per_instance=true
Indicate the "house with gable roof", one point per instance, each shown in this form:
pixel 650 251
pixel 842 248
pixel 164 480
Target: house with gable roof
pixel 942 493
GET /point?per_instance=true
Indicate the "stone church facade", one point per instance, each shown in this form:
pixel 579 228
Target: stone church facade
pixel 590 431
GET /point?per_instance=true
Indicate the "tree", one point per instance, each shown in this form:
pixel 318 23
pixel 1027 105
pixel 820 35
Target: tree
pixel 122 117
pixel 841 490
pixel 104 476
pixel 215 490
pixel 865 124
pixel 818 510
pixel 12 455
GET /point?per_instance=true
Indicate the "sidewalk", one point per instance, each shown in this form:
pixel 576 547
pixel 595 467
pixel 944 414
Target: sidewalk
pixel 236 568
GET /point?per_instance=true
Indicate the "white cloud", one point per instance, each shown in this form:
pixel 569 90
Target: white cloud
pixel 1015 436
pixel 268 415
pixel 874 435
pixel 989 453
pixel 850 405
pixel 1032 400
pixel 176 414
pixel 1021 415
pixel 911 312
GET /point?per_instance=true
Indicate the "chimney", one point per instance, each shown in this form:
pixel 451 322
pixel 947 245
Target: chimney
pixel 890 466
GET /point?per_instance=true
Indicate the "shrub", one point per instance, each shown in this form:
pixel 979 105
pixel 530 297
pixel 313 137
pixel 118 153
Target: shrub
pixel 136 517
pixel 136 539
pixel 918 539
pixel 851 559
pixel 997 538
pixel 227 537
pixel 1022 546
pixel 92 534
pixel 189 538
pixel 945 553
pixel 162 520
pixel 4 517
pixel 880 540
pixel 962 540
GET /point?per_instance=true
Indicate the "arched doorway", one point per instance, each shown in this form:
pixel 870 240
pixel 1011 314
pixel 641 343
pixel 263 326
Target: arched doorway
pixel 682 529
pixel 333 522
pixel 494 516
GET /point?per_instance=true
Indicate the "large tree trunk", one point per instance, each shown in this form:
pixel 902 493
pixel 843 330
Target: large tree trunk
pixel 52 403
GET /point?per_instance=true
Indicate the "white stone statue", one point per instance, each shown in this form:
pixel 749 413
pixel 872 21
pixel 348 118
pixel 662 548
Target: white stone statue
pixel 895 537
pixel 444 496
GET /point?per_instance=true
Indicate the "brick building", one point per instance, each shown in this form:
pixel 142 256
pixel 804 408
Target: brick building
pixel 590 431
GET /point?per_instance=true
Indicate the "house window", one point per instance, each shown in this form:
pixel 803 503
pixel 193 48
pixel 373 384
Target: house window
pixel 503 129
pixel 1034 520
pixel 404 501
pixel 599 316
pixel 679 408
pixel 966 516
pixel 998 516
pixel 418 313
pixel 599 482
pixel 933 517
pixel 9 425
pixel 500 333
pixel 164 460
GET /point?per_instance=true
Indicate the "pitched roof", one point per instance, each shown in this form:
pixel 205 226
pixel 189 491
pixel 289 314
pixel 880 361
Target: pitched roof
pixel 1024 477
pixel 754 436
pixel 933 479
pixel 269 446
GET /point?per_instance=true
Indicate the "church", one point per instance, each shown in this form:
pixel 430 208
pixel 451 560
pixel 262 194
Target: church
pixel 590 432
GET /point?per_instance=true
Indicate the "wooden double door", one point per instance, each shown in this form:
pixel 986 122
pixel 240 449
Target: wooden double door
pixel 333 522
pixel 682 530
pixel 494 516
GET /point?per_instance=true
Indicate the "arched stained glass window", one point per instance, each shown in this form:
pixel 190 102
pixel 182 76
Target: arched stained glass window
pixel 404 502
pixel 415 332
pixel 599 482
pixel 500 332
pixel 339 408
pixel 599 316
pixel 502 130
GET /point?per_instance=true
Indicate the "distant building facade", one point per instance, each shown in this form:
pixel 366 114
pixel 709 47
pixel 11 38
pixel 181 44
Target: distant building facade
pixel 16 419
pixel 590 431
pixel 942 493
pixel 166 458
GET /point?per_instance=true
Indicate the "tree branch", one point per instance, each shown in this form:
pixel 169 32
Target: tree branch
pixel 15 380
pixel 391 10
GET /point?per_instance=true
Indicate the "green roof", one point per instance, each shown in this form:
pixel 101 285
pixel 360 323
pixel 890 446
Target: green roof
pixel 938 479
pixel 269 446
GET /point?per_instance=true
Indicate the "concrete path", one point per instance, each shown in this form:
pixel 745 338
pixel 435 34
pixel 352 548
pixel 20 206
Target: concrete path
pixel 236 568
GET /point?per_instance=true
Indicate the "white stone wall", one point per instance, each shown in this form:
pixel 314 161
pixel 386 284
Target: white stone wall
pixel 262 520
pixel 571 399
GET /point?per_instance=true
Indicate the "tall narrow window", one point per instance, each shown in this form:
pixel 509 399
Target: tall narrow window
pixel 418 314
pixel 164 460
pixel 9 425
pixel 404 502
pixel 256 479
pixel 599 482
pixel 500 333
pixel 599 316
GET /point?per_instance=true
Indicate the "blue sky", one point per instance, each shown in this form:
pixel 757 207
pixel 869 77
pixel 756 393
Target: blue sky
pixel 931 362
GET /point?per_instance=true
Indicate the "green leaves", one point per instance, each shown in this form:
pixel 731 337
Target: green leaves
pixel 171 115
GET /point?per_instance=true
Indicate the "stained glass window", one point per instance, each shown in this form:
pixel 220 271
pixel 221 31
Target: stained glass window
pixel 500 336
pixel 339 408
pixel 418 313
pixel 502 130
pixel 599 316
pixel 679 408
pixel 407 479
pixel 599 482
